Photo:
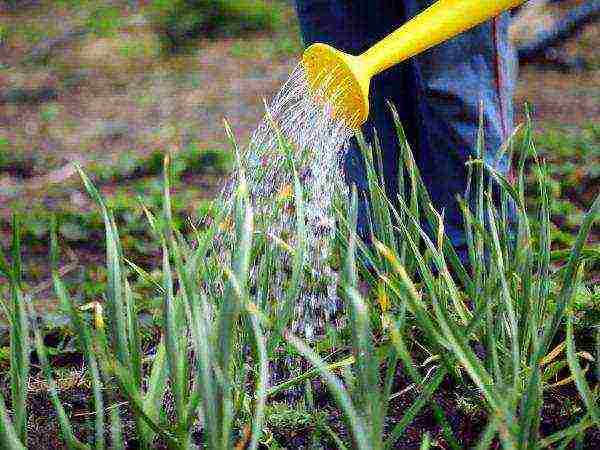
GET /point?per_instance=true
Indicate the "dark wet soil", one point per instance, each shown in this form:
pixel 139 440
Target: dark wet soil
pixel 462 406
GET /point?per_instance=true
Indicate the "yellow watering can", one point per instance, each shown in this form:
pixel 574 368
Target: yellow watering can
pixel 343 79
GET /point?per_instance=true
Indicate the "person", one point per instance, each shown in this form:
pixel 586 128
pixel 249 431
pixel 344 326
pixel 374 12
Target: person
pixel 437 94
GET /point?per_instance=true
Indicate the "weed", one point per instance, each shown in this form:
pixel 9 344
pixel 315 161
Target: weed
pixel 104 20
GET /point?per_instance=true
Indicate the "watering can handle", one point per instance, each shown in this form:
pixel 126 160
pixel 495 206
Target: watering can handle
pixel 438 23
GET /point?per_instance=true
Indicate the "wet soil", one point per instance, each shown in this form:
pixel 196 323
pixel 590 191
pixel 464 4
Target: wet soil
pixel 462 406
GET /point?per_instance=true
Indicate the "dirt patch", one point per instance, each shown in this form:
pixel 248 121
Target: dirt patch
pixel 556 97
pixel 569 97
pixel 462 406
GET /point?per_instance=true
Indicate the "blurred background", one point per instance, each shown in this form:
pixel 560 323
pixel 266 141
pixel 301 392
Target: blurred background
pixel 113 85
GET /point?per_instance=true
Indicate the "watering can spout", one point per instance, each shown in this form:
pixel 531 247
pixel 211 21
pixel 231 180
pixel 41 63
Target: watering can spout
pixel 340 80
pixel 343 80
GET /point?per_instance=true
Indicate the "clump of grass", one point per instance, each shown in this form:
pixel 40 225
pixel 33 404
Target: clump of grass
pixel 500 323
pixel 134 176
pixel 190 160
pixel 509 301
pixel 198 359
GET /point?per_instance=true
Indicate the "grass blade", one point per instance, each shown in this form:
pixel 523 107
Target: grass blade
pixel 19 336
pixel 569 274
pixel 414 409
pixel 87 348
pixel 582 386
pixel 261 382
pixel 116 429
pixel 115 305
pixel 230 308
pixel 172 338
pixel 8 434
pixel 65 425
pixel 156 384
pixel 308 375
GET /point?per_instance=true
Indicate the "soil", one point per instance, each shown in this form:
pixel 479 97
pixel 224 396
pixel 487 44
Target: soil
pixel 462 406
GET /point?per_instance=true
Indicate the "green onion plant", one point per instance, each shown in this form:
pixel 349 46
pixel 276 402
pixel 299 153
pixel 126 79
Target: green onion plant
pixel 495 316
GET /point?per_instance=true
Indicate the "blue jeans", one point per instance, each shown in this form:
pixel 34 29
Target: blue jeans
pixel 437 95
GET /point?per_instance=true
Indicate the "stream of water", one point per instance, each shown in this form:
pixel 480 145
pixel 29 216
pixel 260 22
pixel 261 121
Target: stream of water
pixel 318 141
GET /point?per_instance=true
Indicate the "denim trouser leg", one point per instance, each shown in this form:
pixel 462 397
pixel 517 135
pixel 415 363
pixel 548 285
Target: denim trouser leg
pixel 452 79
pixel 437 95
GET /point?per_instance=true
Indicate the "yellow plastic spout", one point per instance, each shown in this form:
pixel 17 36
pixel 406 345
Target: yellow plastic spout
pixel 344 79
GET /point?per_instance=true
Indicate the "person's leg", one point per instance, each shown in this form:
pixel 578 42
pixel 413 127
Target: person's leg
pixel 353 26
pixel 437 95
pixel 450 81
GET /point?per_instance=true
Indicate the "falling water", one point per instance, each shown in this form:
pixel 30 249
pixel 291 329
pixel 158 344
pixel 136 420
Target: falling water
pixel 299 115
